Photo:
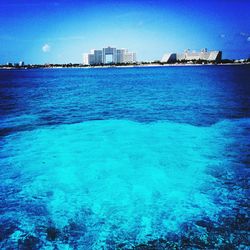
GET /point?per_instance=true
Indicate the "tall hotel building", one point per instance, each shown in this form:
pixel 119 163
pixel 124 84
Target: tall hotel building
pixel 109 55
pixel 204 55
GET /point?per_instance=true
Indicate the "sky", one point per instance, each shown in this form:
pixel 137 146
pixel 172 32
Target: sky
pixel 60 31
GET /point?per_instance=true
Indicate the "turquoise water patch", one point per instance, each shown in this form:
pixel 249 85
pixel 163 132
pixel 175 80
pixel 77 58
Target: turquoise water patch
pixel 116 179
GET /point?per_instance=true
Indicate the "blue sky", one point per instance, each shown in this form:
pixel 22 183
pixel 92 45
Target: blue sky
pixel 61 31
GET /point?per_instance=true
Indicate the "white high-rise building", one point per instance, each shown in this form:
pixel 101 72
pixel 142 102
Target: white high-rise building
pixel 91 59
pixel 109 55
pixel 86 59
pixel 98 56
pixel 129 57
pixel 121 55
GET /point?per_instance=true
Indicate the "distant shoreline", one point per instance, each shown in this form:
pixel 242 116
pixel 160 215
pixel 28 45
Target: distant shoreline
pixel 121 66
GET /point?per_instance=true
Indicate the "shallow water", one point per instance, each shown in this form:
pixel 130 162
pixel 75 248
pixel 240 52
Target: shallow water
pixel 125 158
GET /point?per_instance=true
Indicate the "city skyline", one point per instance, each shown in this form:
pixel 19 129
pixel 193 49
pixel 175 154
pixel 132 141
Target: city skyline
pixel 109 55
pixel 60 32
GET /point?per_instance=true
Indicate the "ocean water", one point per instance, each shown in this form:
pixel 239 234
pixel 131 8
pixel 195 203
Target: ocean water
pixel 125 158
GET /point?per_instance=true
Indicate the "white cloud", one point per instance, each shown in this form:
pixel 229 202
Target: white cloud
pixel 248 39
pixel 222 35
pixel 46 48
pixel 243 34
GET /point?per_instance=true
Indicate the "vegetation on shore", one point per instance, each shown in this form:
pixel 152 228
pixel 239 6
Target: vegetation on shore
pixel 79 65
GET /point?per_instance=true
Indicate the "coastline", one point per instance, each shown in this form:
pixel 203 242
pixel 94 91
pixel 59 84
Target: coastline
pixel 124 66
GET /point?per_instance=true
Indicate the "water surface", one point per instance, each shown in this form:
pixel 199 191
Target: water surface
pixel 145 158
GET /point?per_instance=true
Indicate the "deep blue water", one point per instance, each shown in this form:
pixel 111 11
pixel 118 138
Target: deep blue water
pixel 123 158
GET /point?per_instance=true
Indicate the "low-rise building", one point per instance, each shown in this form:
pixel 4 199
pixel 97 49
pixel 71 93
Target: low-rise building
pixel 187 55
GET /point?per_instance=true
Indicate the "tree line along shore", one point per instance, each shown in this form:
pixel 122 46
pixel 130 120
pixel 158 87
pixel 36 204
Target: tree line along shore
pixel 138 64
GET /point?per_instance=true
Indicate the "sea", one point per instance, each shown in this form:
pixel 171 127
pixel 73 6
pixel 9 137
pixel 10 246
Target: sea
pixel 125 158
